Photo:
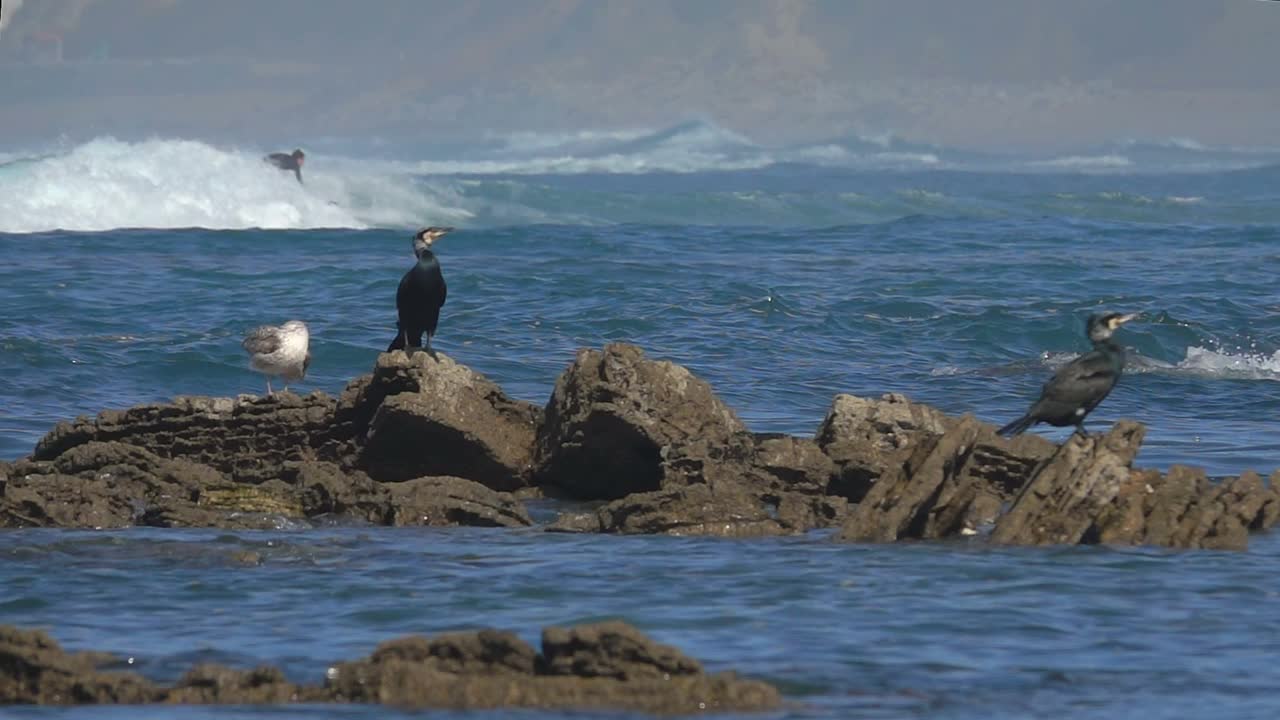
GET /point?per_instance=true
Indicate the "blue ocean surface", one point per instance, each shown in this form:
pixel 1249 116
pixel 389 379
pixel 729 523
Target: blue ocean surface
pixel 782 276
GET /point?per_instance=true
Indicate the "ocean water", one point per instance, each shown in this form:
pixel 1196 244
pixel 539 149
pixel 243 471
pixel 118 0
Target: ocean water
pixel 782 275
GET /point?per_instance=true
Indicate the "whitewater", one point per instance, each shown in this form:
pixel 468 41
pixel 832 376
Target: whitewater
pixel 589 177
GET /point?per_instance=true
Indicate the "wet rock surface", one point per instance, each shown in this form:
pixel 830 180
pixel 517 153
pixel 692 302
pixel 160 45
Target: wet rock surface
pixel 422 440
pixel 607 665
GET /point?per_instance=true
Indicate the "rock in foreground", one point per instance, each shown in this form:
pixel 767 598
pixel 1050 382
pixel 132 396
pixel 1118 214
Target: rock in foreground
pixel 604 666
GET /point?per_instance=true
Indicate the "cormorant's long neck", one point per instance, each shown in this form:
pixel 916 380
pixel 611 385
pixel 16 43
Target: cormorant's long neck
pixel 1113 351
pixel 427 259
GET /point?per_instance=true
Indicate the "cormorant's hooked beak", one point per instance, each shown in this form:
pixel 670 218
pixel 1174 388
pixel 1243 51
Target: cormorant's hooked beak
pixel 432 234
pixel 1122 319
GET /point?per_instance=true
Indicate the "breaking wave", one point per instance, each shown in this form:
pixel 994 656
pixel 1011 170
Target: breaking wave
pixel 107 183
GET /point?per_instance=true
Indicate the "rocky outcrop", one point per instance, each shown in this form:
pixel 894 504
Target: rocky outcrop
pixel 111 484
pixel 423 415
pixel 865 437
pixel 606 666
pixel 613 415
pixel 947 485
pixel 246 439
pixel 723 510
pixel 1183 509
pixel 1060 503
pixel 424 440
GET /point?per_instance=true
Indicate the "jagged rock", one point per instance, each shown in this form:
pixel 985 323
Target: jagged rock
pixel 727 510
pixel 97 484
pixel 797 464
pixel 611 415
pixel 449 501
pixel 34 669
pixel 714 463
pixel 799 512
pixel 325 489
pixel 946 485
pixel 1060 504
pixel 248 439
pixel 1184 509
pixel 865 437
pixel 431 416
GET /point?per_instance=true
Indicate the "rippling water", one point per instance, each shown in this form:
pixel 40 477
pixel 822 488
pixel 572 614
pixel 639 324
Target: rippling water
pixel 912 630
pixel 781 287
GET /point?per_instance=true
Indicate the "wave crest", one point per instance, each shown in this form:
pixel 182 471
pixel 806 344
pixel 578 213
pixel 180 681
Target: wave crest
pixel 106 183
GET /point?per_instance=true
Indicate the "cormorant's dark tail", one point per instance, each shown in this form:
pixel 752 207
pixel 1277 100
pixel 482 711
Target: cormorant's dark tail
pixel 1017 426
pixel 398 343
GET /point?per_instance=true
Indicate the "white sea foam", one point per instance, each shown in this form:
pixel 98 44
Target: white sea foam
pixel 1087 162
pixel 686 148
pixel 1248 366
pixel 107 183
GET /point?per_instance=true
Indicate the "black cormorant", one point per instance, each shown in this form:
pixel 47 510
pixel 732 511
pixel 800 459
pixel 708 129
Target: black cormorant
pixel 282 351
pixel 288 161
pixel 421 294
pixel 1081 384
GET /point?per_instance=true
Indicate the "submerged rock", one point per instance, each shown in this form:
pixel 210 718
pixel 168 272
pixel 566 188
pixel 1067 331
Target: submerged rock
pixel 34 669
pixel 605 666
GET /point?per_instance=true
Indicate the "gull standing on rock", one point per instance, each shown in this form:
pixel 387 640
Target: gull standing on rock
pixel 279 350
pixel 421 294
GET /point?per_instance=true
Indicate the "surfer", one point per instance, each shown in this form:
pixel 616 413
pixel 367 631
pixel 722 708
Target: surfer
pixel 288 161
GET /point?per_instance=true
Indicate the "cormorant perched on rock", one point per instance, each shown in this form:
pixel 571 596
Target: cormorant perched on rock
pixel 282 351
pixel 421 294
pixel 1078 387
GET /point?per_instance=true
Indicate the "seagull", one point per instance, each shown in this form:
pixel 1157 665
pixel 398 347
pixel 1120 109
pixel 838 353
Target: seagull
pixel 279 350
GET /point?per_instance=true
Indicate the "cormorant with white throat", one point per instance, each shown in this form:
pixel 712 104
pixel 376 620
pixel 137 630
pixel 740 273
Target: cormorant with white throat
pixel 421 294
pixel 281 351
pixel 1077 388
